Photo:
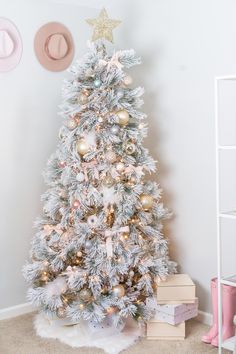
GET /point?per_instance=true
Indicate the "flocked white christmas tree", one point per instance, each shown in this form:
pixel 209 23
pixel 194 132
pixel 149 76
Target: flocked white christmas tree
pixel 99 248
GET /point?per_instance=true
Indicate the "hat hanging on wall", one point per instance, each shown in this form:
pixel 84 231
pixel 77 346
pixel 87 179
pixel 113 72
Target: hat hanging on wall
pixel 53 45
pixel 10 45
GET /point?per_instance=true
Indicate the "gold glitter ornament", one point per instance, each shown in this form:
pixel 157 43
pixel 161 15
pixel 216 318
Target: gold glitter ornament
pixel 103 26
pixel 123 116
pixel 118 290
pixel 108 181
pixel 146 201
pixel 82 147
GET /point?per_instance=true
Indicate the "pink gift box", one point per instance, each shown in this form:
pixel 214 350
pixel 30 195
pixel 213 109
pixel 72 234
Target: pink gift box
pixel 173 313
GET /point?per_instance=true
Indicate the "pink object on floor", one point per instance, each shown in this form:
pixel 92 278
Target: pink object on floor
pixel 229 307
pixel 213 332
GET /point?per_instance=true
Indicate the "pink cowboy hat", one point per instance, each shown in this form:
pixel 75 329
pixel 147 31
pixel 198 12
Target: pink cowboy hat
pixel 53 45
pixel 10 45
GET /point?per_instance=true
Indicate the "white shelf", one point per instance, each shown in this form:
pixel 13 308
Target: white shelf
pixel 229 77
pixel 227 147
pixel 229 280
pixel 229 343
pixel 228 214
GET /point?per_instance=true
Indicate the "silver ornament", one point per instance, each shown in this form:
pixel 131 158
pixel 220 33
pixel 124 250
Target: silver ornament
pixel 97 83
pixel 120 92
pixel 80 177
pixel 130 148
pixel 88 244
pixel 92 220
pixel 115 129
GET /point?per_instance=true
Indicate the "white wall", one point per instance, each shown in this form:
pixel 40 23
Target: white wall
pixel 184 44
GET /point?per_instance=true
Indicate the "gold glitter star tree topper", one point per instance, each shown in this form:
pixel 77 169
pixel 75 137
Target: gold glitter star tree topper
pixel 103 26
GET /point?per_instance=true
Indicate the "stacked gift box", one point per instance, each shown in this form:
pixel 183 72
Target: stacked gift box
pixel 174 303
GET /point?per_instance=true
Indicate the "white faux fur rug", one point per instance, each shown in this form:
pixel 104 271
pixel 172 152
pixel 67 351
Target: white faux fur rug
pixel 80 335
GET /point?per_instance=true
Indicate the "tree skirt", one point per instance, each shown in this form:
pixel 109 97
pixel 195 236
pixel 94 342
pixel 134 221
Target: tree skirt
pixel 111 340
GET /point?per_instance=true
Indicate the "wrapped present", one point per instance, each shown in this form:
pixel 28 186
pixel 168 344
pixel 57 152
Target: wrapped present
pixel 173 313
pixel 165 331
pixel 178 288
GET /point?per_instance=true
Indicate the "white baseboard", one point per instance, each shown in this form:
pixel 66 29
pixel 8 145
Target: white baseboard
pixel 14 311
pixel 204 317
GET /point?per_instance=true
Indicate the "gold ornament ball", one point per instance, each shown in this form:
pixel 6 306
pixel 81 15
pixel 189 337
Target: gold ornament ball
pixel 82 98
pixel 85 294
pixel 61 312
pixel 108 181
pixel 120 166
pixel 127 80
pixel 82 147
pixel 118 290
pixel 130 148
pixel 123 116
pixel 71 124
pixel 146 201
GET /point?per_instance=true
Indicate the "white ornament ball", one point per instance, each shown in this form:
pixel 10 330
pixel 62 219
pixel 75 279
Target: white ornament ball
pixel 118 290
pixel 127 80
pixel 92 220
pixel 100 119
pixel 115 129
pixel 79 254
pixel 131 273
pixel 80 177
pixel 111 156
pixel 71 124
pixel 82 147
pixel 120 166
pixel 123 116
pixel 120 92
pixel 88 244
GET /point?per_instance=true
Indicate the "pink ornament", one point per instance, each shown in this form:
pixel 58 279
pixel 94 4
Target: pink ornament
pixel 76 204
pixel 62 164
